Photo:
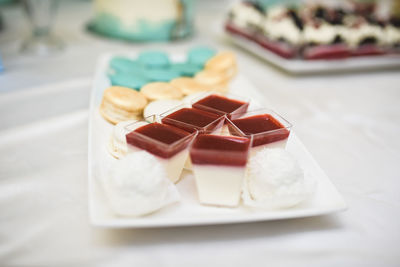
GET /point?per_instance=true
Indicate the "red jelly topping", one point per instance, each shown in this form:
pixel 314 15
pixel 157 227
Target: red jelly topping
pixel 264 128
pixel 221 105
pixel 191 119
pixel 159 139
pixel 220 150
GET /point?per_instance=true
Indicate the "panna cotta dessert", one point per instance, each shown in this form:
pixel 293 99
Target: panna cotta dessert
pixel 219 166
pixel 193 119
pixel 168 143
pixel 265 127
pixel 228 105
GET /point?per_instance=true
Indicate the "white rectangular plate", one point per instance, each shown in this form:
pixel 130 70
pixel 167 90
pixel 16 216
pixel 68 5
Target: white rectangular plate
pixel 188 211
pixel 299 66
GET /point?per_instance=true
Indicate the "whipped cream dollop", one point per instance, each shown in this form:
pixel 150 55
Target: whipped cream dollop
pixel 392 35
pixel 137 185
pixel 278 25
pixel 244 15
pixel 357 29
pixel 274 180
pixel 324 34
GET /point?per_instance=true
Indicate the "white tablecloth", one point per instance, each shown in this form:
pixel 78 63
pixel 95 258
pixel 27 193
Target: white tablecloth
pixel 349 122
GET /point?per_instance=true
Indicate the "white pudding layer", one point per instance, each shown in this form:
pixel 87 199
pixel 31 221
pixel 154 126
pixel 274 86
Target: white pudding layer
pixel 219 185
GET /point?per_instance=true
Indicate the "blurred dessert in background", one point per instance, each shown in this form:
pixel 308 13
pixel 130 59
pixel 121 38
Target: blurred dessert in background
pixel 316 30
pixel 135 20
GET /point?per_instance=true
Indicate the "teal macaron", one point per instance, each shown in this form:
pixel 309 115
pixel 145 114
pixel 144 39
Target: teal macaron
pixel 162 75
pixel 133 81
pixel 154 59
pixel 123 64
pixel 200 55
pixel 186 69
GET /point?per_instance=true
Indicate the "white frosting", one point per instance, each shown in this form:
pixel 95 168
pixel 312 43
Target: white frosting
pixel 354 35
pixel 324 34
pixel 244 14
pixel 130 12
pixel 138 184
pixel 160 106
pixel 392 35
pixel 278 25
pixel 276 12
pixel 274 180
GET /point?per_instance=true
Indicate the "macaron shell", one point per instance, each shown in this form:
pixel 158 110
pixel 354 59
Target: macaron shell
pixel 123 64
pixel 132 81
pixel 154 59
pixel 125 98
pixel 113 149
pixel 222 61
pixel 117 145
pixel 186 69
pixel 221 87
pixel 189 85
pixel 210 77
pixel 160 90
pixel 161 75
pixel 200 55
pixel 115 115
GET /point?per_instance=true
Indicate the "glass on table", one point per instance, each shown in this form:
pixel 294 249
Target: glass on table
pixel 219 166
pixel 167 143
pixel 227 104
pixel 264 126
pixel 192 119
pixel 41 14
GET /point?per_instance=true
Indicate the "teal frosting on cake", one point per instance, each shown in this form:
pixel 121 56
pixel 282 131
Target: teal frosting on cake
pixel 143 30
pixel 199 55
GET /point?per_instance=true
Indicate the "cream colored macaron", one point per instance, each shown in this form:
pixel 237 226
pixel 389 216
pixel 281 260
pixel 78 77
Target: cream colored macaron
pixel 121 104
pixel 221 61
pixel 209 77
pixel 117 145
pixel 220 87
pixel 189 86
pixel 160 90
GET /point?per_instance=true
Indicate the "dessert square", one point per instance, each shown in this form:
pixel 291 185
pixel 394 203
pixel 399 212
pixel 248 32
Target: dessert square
pixel 219 165
pixel 228 105
pixel 192 119
pixel 168 143
pixel 264 126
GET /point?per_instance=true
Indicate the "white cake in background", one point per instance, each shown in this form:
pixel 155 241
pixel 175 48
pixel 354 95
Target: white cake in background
pixel 142 20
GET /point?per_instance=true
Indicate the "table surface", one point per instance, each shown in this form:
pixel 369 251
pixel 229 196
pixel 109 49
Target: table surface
pixel 349 122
